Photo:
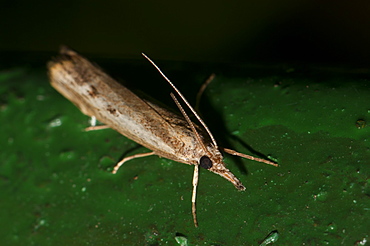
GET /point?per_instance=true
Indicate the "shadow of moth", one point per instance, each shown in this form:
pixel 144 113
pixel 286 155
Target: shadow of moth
pixel 166 133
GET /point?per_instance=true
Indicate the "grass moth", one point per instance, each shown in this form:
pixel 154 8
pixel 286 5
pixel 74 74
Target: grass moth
pixel 164 132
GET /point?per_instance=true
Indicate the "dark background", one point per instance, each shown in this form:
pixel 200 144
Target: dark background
pixel 335 32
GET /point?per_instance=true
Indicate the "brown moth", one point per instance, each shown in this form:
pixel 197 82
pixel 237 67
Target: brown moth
pixel 166 133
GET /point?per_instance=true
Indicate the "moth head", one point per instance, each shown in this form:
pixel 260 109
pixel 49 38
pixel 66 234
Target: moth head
pixel 213 162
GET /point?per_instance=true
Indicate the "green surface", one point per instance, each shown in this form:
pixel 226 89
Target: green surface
pixel 56 188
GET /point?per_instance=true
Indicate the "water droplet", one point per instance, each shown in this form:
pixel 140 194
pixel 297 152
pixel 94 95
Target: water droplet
pixel 321 196
pixel 55 122
pixel 360 124
pixel 181 240
pixel 271 238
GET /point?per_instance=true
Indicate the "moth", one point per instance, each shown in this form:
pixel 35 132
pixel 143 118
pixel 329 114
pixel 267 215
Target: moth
pixel 165 133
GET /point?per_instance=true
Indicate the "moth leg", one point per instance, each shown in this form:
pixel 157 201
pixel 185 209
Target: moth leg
pixel 93 125
pixel 202 89
pixel 233 152
pixel 119 164
pixel 194 195
pixel 93 128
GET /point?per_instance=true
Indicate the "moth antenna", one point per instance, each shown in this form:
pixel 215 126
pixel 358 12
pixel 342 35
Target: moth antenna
pixel 185 101
pixel 189 122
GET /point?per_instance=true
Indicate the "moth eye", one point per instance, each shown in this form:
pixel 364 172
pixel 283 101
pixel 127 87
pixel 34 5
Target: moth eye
pixel 205 162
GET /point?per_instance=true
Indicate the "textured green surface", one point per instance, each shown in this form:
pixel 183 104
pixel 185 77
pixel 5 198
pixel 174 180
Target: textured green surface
pixel 56 188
